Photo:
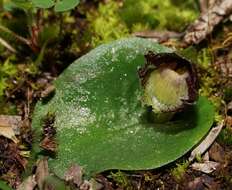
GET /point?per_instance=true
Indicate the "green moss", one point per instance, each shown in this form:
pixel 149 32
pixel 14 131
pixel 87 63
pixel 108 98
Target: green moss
pixel 209 78
pixel 140 27
pixel 210 87
pixel 179 171
pixel 225 137
pixel 114 20
pixel 7 70
pixel 205 58
pixel 228 94
pixel 122 180
pixel 105 24
pixel 134 12
pixel 7 108
pixel 157 14
pixel 199 158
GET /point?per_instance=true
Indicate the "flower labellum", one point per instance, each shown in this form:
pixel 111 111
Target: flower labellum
pixel 169 82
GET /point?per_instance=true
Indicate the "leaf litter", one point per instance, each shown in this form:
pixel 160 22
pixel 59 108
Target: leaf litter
pixel 10 127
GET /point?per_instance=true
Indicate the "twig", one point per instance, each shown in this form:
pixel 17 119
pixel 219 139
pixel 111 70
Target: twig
pixel 7 45
pixel 205 5
pixel 207 21
pixel 20 38
pixel 207 142
pixel 159 36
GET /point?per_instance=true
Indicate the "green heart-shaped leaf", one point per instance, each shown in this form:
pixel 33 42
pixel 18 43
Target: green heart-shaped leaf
pixel 65 5
pixel 99 118
pixel 60 6
pixel 43 3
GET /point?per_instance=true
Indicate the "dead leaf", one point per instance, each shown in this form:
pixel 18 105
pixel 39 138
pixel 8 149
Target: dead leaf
pixel 74 175
pixel 206 167
pixel 207 142
pixel 197 183
pixel 41 173
pixel 49 144
pixel 203 182
pixel 10 126
pixel 28 184
pixel 14 121
pixel 217 153
pixel 8 133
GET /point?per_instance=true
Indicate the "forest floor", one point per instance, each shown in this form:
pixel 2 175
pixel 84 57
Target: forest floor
pixel 28 68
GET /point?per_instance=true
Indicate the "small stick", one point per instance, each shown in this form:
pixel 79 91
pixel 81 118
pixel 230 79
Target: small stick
pixel 205 24
pixel 7 45
pixel 207 142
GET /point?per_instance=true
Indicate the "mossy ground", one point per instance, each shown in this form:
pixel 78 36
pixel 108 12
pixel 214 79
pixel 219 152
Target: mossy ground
pixel 67 36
